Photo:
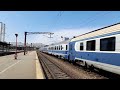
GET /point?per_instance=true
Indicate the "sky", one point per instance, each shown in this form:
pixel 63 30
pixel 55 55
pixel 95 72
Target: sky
pixel 61 23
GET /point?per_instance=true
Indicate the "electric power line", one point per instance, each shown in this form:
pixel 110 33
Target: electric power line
pixel 103 14
pixel 58 17
pixel 91 18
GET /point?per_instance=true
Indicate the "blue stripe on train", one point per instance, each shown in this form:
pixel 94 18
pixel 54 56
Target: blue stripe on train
pixel 108 58
pixel 58 52
pixel 103 57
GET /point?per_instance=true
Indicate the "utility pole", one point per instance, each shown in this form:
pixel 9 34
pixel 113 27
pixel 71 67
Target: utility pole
pixel 25 43
pixel 31 47
pixel 4 33
pixel 16 46
pixel 1 31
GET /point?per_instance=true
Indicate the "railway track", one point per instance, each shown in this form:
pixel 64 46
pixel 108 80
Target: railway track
pixel 52 70
pixel 94 74
pixel 64 69
pixel 55 68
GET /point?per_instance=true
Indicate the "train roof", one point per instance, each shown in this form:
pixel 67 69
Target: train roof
pixel 101 31
pixel 62 42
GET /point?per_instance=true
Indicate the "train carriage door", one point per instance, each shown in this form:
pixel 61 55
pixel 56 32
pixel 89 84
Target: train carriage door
pixel 71 54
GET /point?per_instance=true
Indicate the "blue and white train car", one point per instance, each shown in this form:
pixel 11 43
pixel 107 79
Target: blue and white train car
pixel 99 48
pixel 44 49
pixel 60 49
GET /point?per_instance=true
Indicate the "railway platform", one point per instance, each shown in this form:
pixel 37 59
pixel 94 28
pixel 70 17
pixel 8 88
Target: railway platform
pixel 24 67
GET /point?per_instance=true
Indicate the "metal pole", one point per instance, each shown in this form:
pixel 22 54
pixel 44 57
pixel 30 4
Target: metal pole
pixel 9 47
pixel 25 43
pixel 16 46
pixel 31 47
pixel 4 33
pixel 1 32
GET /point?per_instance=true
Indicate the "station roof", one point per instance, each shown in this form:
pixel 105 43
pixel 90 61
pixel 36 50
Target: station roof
pixel 4 43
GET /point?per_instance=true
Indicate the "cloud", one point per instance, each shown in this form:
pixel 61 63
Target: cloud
pixel 60 32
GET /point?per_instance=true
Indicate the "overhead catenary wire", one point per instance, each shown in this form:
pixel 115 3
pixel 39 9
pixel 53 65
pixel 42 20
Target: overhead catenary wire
pixel 94 18
pixel 84 22
pixel 91 19
pixel 60 13
pixel 96 14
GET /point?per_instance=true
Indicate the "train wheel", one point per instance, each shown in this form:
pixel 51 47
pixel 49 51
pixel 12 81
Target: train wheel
pixel 60 57
pixel 86 65
pixel 74 62
pixel 91 67
pixel 70 61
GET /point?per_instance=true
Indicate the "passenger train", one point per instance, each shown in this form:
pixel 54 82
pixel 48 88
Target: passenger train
pixel 58 49
pixel 99 48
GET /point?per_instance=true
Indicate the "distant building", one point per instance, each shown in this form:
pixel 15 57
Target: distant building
pixel 19 43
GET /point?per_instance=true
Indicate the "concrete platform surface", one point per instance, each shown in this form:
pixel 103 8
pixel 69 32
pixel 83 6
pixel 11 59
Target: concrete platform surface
pixel 25 67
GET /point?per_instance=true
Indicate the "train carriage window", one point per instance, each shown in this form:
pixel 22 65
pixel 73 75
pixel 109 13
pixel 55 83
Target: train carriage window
pixel 55 47
pixel 66 47
pixel 81 46
pixel 107 44
pixel 91 45
pixel 61 47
